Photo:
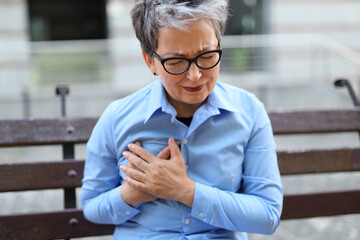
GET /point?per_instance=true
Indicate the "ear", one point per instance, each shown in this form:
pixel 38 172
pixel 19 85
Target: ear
pixel 149 62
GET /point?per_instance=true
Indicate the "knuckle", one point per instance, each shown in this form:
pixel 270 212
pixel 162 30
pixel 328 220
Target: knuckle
pixel 155 175
pixel 138 162
pixel 159 165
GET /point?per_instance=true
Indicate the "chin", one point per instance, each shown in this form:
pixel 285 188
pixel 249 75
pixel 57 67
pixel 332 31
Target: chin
pixel 196 100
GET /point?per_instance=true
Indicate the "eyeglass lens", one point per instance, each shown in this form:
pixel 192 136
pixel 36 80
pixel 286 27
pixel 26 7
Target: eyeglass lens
pixel 178 65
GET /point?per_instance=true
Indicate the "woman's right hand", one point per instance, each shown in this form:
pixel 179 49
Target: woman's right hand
pixel 133 196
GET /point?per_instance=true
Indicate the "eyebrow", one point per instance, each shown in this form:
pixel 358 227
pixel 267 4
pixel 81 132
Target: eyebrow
pixel 205 48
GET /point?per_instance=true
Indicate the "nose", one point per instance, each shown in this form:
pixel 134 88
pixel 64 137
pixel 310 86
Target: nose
pixel 194 73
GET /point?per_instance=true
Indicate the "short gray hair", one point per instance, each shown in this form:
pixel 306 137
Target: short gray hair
pixel 150 15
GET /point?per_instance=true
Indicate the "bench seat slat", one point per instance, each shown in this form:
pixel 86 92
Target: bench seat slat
pixel 319 161
pixel 319 121
pixel 27 132
pixel 321 204
pixel 50 225
pixel 41 175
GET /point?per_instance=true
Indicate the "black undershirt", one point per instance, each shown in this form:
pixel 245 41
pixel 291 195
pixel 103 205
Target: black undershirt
pixel 185 120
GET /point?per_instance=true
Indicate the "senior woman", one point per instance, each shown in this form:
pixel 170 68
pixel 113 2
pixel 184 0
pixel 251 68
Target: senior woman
pixel 186 157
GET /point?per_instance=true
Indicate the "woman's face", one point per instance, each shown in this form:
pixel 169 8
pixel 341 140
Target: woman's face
pixel 189 90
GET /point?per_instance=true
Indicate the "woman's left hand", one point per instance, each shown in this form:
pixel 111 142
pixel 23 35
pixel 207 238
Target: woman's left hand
pixel 162 178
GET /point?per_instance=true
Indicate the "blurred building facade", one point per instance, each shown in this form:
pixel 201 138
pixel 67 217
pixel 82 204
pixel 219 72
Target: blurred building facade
pixel 91 45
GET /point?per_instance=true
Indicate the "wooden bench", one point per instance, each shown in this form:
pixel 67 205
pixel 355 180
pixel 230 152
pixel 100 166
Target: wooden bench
pixel 67 172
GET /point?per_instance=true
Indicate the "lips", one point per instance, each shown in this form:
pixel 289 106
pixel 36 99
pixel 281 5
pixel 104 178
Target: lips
pixel 194 89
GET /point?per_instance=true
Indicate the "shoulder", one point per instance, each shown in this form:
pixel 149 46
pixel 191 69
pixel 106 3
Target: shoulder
pixel 131 102
pixel 240 99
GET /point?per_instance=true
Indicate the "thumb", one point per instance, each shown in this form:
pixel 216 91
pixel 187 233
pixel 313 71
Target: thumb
pixel 174 148
pixel 164 154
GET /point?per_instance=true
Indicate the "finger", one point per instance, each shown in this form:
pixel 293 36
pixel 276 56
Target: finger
pixel 135 184
pixel 134 174
pixel 142 153
pixel 174 148
pixel 164 154
pixel 130 164
pixel 136 161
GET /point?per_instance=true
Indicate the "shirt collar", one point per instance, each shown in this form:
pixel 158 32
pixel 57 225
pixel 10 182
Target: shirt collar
pixel 217 100
pixel 157 100
pixel 221 99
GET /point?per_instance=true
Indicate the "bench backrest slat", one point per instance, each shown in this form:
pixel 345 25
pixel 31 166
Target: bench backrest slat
pixel 37 176
pixel 77 130
pixel 321 204
pixel 319 161
pixel 45 131
pixel 320 121
pixel 71 222
pixel 66 224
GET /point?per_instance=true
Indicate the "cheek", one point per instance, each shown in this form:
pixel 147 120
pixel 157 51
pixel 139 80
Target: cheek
pixel 169 79
pixel 212 75
pixel 170 83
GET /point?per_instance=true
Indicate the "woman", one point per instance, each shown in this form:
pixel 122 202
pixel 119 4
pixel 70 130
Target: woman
pixel 225 178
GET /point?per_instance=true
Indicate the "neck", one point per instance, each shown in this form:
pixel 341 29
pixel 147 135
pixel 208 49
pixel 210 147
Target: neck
pixel 184 109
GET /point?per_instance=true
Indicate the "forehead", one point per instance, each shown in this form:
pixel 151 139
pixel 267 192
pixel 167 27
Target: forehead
pixel 199 35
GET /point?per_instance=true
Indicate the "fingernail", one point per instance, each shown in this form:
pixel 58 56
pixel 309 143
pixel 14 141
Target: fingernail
pixel 122 167
pixel 125 154
pixel 131 145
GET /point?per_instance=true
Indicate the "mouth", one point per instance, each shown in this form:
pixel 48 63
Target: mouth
pixel 194 89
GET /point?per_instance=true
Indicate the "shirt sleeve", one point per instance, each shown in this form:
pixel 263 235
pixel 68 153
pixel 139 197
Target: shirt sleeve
pixel 100 193
pixel 257 207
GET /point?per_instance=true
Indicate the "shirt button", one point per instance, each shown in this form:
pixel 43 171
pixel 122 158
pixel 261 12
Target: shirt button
pixel 187 221
pixel 185 141
pixel 127 212
pixel 172 120
pixel 201 215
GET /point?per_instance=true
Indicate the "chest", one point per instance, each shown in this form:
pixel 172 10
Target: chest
pixel 213 152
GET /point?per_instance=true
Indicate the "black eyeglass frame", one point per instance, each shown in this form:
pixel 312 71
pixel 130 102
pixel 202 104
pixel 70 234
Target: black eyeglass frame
pixel 194 60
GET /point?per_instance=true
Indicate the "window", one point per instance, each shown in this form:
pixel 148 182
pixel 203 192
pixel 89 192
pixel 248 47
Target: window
pixel 67 19
pixel 248 17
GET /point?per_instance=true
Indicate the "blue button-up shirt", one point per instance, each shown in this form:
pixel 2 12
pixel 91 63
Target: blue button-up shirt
pixel 229 151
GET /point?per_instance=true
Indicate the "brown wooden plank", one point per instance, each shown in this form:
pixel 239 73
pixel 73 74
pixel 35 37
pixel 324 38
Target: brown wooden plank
pixel 321 204
pixel 51 225
pixel 315 121
pixel 319 161
pixel 44 175
pixel 28 132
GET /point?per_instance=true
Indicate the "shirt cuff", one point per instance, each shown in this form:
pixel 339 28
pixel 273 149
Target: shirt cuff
pixel 203 202
pixel 122 211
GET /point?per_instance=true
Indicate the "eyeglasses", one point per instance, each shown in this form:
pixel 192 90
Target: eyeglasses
pixel 179 65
